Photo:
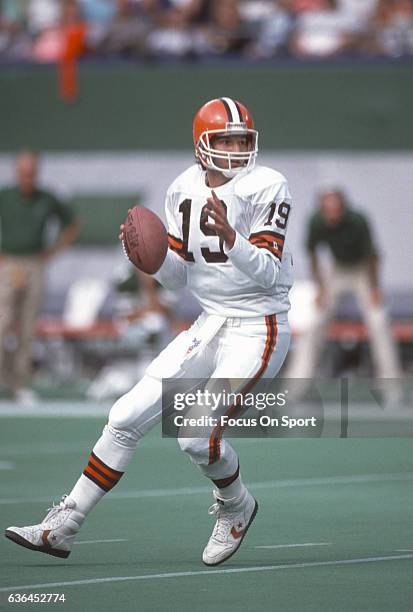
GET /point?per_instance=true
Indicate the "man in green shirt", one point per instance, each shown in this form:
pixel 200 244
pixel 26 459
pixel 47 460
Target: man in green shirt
pixel 26 212
pixel 346 234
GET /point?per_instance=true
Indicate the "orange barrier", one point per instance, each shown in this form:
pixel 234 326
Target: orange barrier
pixel 339 330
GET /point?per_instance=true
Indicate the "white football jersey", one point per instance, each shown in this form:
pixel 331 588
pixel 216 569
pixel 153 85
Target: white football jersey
pixel 254 277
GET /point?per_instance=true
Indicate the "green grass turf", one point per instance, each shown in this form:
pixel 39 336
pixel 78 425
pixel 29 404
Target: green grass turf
pixel 166 533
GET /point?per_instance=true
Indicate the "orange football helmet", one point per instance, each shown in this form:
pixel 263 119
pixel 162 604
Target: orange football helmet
pixel 224 116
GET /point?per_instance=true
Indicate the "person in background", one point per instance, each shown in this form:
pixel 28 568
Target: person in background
pixel 346 232
pixel 324 32
pixel 25 214
pixel 391 29
pixel 227 32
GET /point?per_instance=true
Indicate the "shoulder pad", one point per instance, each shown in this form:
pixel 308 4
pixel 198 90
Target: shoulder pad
pixel 261 178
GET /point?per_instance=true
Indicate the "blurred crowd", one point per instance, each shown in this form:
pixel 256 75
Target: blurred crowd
pixel 50 30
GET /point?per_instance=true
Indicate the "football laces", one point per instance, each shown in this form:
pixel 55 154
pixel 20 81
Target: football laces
pixel 125 251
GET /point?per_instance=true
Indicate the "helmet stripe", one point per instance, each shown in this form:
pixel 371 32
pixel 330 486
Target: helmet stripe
pixel 233 110
pixel 241 119
pixel 227 108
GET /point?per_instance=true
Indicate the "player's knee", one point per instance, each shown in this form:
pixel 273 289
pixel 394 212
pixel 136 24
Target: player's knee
pixel 121 416
pixel 197 448
pixel 138 410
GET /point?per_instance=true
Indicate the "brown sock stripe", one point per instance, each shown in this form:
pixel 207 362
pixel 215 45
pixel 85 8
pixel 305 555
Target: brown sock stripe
pixel 115 474
pixel 99 484
pixel 102 480
pixel 101 474
pixel 225 482
pixel 96 470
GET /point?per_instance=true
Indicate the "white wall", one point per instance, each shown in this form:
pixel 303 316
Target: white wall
pixel 381 184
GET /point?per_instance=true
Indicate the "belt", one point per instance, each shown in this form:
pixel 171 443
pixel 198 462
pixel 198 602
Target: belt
pixel 241 321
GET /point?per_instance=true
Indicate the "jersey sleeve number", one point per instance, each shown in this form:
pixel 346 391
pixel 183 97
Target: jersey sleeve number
pixel 207 254
pixel 282 216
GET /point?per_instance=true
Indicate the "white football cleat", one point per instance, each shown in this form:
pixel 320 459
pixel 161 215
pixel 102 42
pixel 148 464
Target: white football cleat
pixel 234 516
pixel 55 534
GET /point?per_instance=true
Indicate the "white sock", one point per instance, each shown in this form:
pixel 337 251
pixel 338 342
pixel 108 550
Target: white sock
pixel 106 465
pixel 86 494
pixel 235 489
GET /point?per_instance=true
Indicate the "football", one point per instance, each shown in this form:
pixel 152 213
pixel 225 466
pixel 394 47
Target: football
pixel 146 240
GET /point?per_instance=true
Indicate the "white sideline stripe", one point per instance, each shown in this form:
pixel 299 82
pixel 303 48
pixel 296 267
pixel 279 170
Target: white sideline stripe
pixel 300 545
pixel 404 550
pixel 54 448
pixel 7 465
pixel 58 408
pixel 100 541
pixel 238 570
pixel 269 484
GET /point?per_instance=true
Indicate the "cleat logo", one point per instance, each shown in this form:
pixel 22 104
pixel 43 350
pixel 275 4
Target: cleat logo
pixel 45 536
pixel 237 534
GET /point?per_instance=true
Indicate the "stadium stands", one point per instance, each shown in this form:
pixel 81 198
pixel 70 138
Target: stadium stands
pixel 43 30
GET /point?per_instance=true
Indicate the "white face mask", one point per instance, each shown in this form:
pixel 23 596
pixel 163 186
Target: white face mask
pixel 206 154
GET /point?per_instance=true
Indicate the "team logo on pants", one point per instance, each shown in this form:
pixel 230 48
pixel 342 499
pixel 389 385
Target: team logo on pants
pixel 194 345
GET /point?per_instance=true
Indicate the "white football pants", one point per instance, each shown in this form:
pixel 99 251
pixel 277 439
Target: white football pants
pixel 306 351
pixel 250 348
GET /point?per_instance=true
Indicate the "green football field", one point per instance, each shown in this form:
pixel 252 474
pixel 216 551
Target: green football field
pixel 334 530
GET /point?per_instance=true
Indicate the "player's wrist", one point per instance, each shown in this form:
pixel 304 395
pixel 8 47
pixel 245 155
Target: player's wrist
pixel 230 239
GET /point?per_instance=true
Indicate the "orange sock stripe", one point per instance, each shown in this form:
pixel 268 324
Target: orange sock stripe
pixel 270 343
pixel 111 481
pixel 102 479
pixel 96 478
pixel 107 471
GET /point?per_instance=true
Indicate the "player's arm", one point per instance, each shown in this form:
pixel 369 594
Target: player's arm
pixel 259 256
pixel 70 228
pixel 65 239
pixel 172 273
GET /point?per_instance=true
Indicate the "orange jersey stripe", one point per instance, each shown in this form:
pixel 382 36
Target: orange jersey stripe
pixel 262 242
pixel 175 241
pixel 269 248
pixel 270 236
pixel 272 243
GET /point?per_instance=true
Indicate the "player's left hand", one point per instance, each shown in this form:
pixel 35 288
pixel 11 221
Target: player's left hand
pixel 221 226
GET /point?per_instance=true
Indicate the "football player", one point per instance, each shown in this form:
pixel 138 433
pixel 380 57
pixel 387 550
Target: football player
pixel 227 220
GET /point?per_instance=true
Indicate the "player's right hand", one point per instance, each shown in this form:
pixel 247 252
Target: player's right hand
pixel 122 228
